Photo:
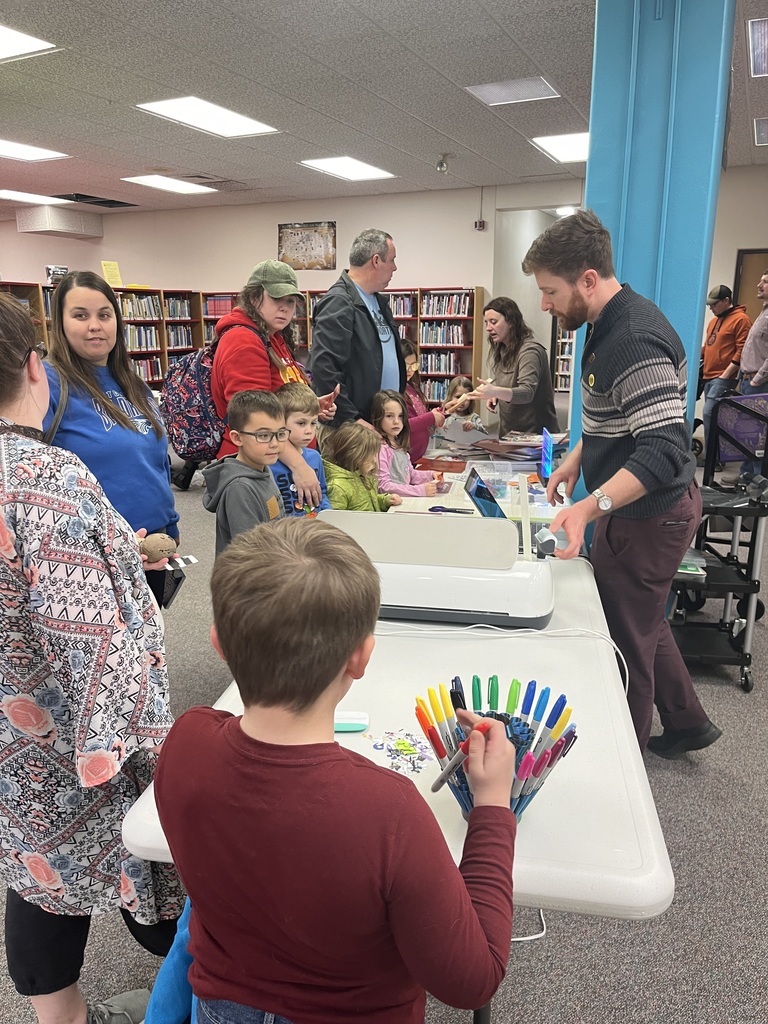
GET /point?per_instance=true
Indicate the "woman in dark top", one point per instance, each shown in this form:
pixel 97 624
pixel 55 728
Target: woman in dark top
pixel 520 387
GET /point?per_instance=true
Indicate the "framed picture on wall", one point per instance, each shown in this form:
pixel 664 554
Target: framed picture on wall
pixel 308 246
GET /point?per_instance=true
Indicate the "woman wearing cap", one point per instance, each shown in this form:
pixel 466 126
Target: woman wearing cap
pixel 255 352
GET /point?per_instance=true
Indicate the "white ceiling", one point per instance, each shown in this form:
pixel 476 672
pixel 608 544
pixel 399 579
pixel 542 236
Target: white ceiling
pixel 380 81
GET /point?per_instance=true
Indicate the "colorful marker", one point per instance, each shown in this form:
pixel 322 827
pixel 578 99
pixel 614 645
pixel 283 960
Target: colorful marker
pixel 423 721
pixel 458 758
pixel 437 746
pixel 530 693
pixel 523 773
pixel 513 696
pixel 551 722
pixel 493 693
pixel 456 684
pixel 439 717
pixel 477 694
pixel 560 725
pixel 541 708
pixel 450 718
pixel 424 707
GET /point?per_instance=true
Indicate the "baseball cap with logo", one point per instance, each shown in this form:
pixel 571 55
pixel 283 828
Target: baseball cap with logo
pixel 718 293
pixel 276 278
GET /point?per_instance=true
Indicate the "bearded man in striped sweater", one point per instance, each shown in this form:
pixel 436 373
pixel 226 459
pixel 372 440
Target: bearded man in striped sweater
pixel 635 456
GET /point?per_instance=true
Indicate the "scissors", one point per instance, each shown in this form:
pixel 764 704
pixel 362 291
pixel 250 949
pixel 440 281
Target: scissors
pixel 442 508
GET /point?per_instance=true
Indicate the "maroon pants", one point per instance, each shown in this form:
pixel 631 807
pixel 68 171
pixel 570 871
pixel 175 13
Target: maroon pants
pixel 634 562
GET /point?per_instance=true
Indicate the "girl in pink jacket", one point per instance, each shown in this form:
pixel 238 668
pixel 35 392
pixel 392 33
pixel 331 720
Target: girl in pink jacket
pixel 389 417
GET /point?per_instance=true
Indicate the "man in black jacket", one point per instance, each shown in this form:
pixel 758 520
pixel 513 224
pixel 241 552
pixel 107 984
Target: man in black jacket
pixel 354 338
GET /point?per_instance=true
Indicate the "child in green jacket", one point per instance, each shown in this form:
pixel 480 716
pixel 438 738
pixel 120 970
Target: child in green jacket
pixel 351 470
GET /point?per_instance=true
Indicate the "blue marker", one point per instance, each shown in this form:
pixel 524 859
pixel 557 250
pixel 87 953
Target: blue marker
pixel 530 693
pixel 551 722
pixel 541 708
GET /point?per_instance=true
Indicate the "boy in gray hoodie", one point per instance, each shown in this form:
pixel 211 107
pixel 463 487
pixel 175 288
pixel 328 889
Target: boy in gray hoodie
pixel 240 488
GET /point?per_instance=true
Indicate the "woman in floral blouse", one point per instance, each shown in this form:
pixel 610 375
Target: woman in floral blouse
pixel 83 704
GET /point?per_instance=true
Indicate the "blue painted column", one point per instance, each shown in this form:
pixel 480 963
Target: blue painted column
pixel 659 103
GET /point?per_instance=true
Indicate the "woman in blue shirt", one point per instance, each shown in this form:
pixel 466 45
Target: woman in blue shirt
pixel 111 420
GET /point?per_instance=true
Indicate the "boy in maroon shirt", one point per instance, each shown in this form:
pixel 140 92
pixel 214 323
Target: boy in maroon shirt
pixel 321 885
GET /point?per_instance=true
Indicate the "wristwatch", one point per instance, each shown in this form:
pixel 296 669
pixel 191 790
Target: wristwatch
pixel 604 503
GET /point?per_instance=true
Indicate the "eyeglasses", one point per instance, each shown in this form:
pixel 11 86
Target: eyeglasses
pixel 41 350
pixel 266 436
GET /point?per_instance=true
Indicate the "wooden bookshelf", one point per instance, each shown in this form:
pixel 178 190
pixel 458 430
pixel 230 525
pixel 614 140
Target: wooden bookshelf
pixel 563 360
pixel 31 296
pixel 163 325
pixel 450 333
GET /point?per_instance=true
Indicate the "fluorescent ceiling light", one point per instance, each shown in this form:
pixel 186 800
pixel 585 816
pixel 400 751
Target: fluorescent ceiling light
pixel 169 184
pixel 15 44
pixel 346 167
pixel 30 197
pixel 761 131
pixel 757 37
pixel 207 117
pixel 520 90
pixel 565 149
pixel 565 211
pixel 19 151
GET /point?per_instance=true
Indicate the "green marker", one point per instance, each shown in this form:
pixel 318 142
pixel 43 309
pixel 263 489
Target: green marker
pixel 493 693
pixel 512 698
pixel 477 694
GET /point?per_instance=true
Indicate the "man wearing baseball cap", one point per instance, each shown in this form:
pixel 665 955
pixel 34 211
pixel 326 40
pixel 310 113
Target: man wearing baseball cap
pixel 721 352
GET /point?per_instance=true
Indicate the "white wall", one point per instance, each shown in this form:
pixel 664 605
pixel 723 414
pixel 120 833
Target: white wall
pixel 741 221
pixel 216 247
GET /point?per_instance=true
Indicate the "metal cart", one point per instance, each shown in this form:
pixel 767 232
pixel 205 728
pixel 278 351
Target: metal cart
pixel 732 558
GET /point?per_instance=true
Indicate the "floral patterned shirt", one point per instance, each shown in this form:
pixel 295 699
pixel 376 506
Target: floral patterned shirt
pixel 83 691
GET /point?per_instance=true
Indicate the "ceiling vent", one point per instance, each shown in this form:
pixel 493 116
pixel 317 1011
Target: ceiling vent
pixel 81 197
pixel 220 184
pixel 59 220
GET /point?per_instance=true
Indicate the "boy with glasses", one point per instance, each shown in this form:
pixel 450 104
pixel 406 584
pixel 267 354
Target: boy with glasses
pixel 240 488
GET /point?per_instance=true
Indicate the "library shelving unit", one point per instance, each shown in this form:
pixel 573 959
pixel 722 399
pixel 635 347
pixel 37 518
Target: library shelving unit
pixel 142 310
pixel 563 363
pixel 183 322
pixel 215 305
pixel 450 337
pixel 405 311
pixel 31 296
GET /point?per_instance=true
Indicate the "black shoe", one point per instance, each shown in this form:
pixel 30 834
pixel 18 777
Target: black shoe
pixel 674 742
pixel 182 478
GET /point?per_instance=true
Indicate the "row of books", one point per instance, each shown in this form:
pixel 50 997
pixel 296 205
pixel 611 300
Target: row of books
pixel 140 307
pixel 441 334
pixel 141 339
pixel 177 309
pixel 446 304
pixel 150 370
pixel 178 335
pixel 218 305
pixel 435 390
pixel 401 305
pixel 440 362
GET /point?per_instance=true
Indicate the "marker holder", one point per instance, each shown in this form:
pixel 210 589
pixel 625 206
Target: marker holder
pixel 523 737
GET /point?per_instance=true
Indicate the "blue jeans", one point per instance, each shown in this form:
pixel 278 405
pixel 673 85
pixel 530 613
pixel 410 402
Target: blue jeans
pixel 753 466
pixel 220 1011
pixel 714 390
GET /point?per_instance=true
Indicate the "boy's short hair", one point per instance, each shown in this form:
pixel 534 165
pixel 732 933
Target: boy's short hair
pixel 244 403
pixel 571 246
pixel 298 397
pixel 291 602
pixel 351 446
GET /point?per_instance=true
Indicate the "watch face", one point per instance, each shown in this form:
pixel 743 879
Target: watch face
pixel 605 503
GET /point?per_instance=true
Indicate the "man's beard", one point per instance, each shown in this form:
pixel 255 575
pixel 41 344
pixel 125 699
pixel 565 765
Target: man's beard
pixel 576 314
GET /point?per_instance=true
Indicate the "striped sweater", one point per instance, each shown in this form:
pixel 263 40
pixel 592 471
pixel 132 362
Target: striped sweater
pixel 633 386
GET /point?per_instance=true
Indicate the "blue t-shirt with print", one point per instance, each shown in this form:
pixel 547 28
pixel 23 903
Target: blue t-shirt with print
pixel 390 368
pixel 284 480
pixel 132 466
